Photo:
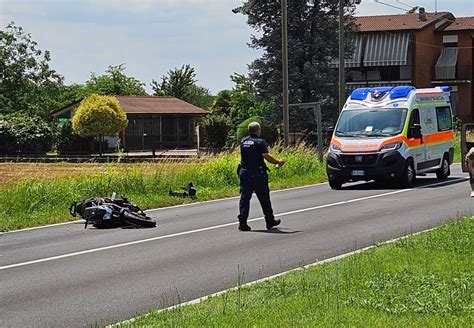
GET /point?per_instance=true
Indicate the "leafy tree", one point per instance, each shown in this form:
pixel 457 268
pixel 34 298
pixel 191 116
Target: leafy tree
pixel 99 116
pixel 200 97
pixel 221 104
pixel 244 101
pixel 32 134
pixel 114 83
pixel 27 82
pixel 312 46
pixel 217 128
pixel 269 131
pixel 181 83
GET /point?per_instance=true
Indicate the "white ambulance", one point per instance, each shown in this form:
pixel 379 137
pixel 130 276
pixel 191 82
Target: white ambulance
pixel 392 134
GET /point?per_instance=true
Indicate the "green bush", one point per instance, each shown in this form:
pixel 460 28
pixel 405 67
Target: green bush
pixel 32 134
pixel 7 138
pixel 216 130
pixel 99 116
pixel 68 141
pixel 269 131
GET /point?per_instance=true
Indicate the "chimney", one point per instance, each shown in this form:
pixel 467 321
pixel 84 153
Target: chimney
pixel 422 14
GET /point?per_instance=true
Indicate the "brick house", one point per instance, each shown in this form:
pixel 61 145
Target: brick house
pixel 153 122
pixel 420 49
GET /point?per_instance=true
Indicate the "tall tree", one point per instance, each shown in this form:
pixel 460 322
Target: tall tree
pixel 182 84
pixel 114 83
pixel 245 101
pixel 312 46
pixel 27 83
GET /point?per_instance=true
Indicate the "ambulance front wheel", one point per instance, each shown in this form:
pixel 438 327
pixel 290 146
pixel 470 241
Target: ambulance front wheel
pixel 444 171
pixel 409 175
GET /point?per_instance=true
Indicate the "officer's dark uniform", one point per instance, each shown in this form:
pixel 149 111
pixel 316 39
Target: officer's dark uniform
pixel 253 177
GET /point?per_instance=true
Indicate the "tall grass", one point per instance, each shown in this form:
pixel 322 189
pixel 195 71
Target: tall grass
pixel 35 201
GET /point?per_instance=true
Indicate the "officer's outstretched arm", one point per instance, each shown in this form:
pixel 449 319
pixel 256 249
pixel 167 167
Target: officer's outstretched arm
pixel 272 159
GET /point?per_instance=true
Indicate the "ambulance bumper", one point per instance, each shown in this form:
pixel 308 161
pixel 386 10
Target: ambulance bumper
pixel 365 167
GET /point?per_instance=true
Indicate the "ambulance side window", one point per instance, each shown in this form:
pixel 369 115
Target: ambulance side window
pixel 445 121
pixel 414 119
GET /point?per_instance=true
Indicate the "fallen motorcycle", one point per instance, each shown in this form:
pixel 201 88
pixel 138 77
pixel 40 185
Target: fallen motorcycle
pixel 110 213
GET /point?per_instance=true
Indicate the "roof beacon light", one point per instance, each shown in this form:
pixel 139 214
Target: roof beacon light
pixel 360 94
pixel 445 89
pixel 401 92
pixel 378 93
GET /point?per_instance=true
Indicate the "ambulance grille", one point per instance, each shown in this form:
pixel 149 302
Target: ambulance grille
pixel 359 159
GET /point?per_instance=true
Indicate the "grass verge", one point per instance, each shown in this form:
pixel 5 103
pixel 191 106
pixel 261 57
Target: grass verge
pixel 421 281
pixel 33 201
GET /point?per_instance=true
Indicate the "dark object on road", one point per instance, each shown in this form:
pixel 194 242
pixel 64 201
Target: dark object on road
pixel 111 213
pixel 189 191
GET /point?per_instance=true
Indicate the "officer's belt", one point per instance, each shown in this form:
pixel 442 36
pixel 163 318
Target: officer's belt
pixel 256 168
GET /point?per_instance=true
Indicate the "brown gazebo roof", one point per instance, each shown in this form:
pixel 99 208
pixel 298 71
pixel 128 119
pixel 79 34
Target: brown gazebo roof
pixel 157 105
pixel 147 105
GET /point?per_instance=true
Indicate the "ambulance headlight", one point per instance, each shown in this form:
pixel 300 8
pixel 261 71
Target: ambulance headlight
pixel 335 148
pixel 391 146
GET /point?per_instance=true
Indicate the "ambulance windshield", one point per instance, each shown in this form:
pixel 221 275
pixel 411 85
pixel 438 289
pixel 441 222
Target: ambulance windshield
pixel 378 122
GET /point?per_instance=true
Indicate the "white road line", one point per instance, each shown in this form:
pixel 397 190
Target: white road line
pixel 164 208
pixel 94 250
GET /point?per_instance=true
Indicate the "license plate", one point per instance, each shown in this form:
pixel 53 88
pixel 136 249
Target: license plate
pixel 358 173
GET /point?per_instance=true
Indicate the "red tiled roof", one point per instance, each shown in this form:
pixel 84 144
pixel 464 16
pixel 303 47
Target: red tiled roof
pixel 401 22
pixel 157 105
pixel 461 23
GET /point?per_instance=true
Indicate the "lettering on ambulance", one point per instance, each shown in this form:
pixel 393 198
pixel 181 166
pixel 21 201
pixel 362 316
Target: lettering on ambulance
pixel 428 127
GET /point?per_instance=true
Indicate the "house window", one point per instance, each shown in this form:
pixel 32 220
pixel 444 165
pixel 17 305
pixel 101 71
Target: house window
pixel 450 41
pixel 445 120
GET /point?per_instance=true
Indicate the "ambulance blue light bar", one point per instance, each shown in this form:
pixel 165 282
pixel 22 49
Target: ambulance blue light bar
pixel 445 89
pixel 401 92
pixel 360 94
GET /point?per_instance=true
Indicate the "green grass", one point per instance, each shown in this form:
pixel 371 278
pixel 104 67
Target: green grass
pixel 38 201
pixel 457 149
pixel 421 281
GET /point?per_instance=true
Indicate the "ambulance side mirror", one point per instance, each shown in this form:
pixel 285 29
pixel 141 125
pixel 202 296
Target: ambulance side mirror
pixel 415 131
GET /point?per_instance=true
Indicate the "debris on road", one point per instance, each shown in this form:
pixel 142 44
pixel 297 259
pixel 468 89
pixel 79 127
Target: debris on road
pixel 189 191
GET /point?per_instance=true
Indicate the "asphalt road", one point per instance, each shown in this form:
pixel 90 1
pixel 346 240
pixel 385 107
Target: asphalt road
pixel 65 276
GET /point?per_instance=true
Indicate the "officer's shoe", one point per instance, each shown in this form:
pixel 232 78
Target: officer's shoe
pixel 244 227
pixel 273 224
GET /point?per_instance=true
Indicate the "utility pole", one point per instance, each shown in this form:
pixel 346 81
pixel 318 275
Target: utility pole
pixel 284 41
pixel 342 81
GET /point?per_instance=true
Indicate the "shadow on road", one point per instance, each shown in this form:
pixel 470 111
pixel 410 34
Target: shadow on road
pixel 421 182
pixel 277 231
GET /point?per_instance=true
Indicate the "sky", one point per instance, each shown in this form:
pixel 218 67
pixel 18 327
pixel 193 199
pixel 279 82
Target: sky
pixel 153 36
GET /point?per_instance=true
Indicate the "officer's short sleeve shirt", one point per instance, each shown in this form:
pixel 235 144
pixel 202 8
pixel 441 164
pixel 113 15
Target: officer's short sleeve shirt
pixel 252 149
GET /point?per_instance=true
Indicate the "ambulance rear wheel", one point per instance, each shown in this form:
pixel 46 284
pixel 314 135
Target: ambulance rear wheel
pixel 444 171
pixel 335 184
pixel 409 175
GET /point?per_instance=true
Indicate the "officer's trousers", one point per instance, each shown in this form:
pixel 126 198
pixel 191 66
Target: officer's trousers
pixel 254 181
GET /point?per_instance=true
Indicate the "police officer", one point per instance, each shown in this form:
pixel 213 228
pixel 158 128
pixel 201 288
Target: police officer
pixel 253 177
